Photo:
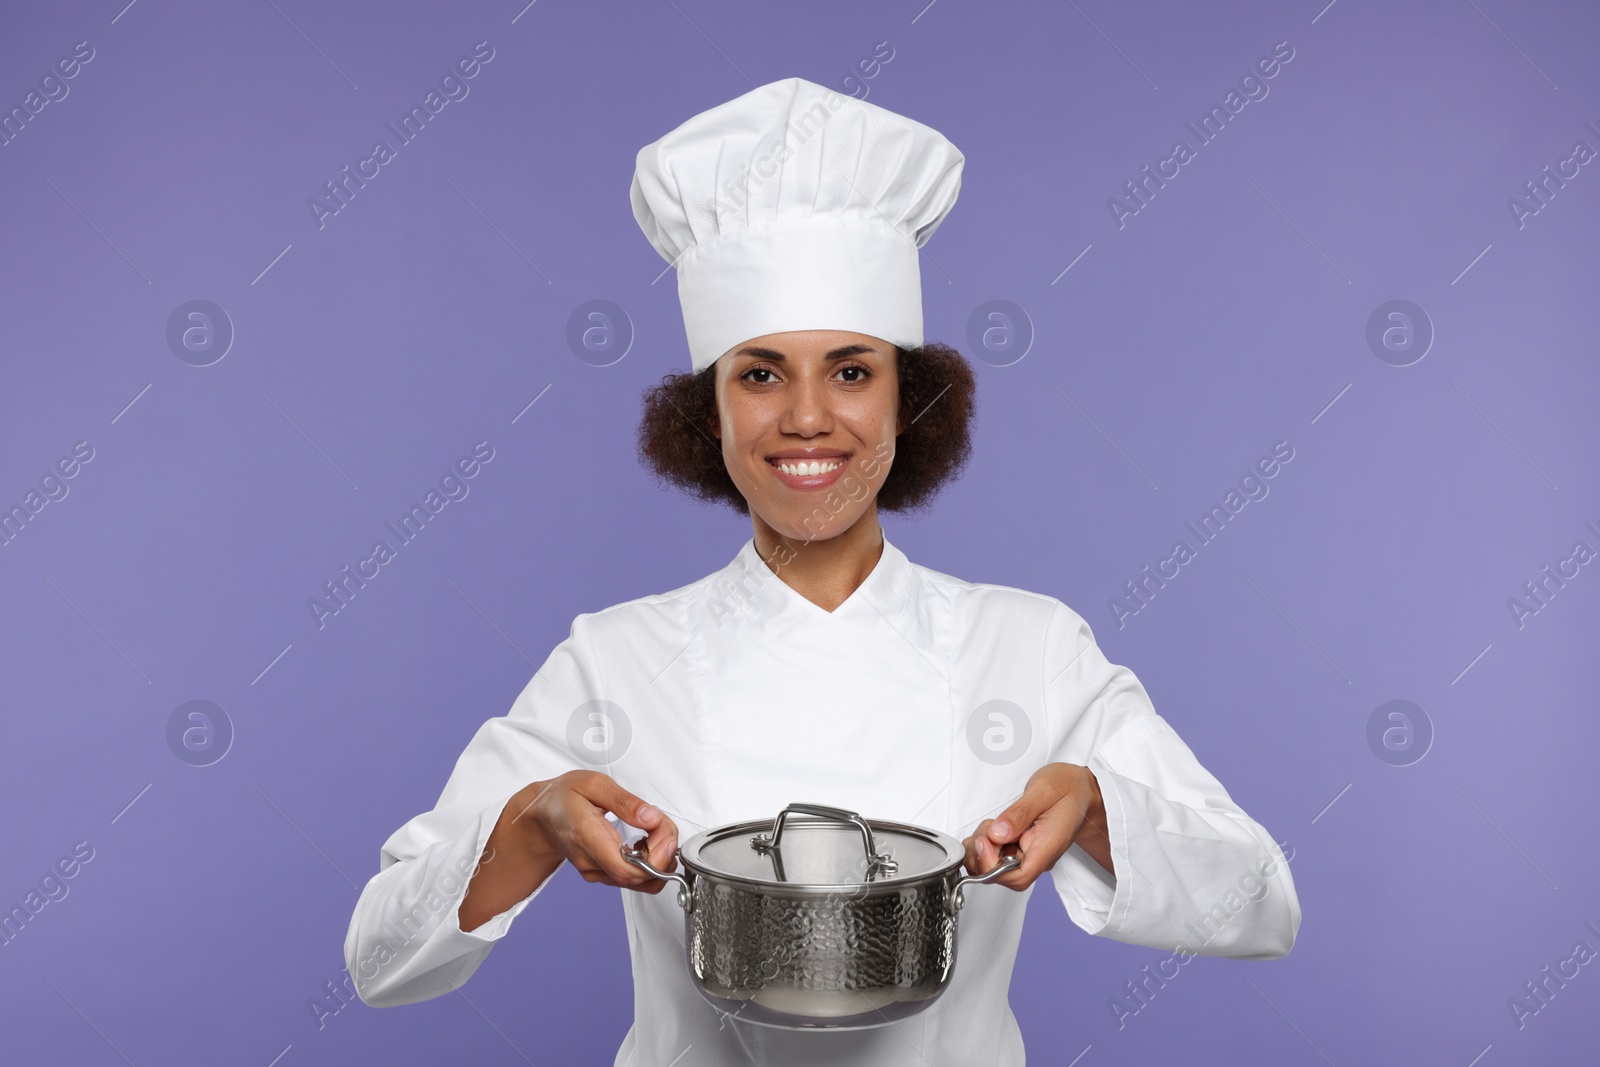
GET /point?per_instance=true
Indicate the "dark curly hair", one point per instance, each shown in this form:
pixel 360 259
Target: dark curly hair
pixel 938 398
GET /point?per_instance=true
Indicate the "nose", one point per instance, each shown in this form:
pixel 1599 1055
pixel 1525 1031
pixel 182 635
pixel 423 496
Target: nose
pixel 809 412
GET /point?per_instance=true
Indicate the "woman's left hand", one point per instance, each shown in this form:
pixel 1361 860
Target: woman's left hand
pixel 1061 805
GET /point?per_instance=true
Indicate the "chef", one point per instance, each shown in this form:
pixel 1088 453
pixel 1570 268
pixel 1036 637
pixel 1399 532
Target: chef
pixel 821 664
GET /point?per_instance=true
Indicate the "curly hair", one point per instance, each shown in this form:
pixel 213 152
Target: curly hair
pixel 938 399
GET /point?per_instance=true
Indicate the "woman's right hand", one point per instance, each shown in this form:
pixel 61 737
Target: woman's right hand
pixel 565 818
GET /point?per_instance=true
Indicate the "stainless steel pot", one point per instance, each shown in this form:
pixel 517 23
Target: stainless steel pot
pixel 830 921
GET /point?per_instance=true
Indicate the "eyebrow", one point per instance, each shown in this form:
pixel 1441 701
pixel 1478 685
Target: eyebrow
pixel 777 357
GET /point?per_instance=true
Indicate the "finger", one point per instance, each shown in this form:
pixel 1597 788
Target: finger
pixel 1009 824
pixel 600 846
pixel 662 843
pixel 984 853
pixel 603 790
pixel 1032 866
pixel 1047 796
pixel 604 794
pixel 640 881
pixel 1041 846
pixel 590 872
pixel 659 849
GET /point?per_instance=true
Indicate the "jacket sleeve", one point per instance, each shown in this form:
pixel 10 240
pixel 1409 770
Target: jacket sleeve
pixel 1194 873
pixel 405 941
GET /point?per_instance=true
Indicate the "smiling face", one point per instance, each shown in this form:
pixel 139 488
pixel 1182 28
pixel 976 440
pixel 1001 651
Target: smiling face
pixel 807 424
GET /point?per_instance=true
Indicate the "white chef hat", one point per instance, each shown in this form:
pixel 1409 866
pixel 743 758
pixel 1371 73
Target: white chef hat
pixel 794 207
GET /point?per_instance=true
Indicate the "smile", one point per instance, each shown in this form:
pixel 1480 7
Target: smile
pixel 803 468
pixel 809 469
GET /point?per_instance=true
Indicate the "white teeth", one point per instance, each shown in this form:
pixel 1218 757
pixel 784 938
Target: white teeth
pixel 807 468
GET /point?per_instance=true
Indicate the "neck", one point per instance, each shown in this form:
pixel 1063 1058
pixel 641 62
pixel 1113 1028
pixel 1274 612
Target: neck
pixel 824 572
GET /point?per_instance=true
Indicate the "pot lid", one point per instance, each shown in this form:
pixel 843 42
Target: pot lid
pixel 812 846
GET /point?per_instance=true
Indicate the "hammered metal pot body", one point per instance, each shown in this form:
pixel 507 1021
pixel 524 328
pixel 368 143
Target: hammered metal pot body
pixel 865 957
pixel 821 919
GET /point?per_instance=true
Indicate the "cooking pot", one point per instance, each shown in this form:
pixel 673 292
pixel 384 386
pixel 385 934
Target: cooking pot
pixel 828 921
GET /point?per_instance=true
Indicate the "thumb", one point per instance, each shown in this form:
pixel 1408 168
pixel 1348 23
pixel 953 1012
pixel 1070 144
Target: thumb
pixel 610 796
pixel 1009 824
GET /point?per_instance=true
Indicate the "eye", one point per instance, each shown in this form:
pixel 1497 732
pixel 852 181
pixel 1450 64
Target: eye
pixel 854 372
pixel 758 375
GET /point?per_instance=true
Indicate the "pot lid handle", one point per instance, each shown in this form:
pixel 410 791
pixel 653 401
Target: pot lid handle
pixel 877 863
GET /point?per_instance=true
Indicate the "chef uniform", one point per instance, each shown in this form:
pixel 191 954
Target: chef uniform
pixel 922 698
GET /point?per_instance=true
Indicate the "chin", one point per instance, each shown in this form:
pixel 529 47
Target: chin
pixel 814 522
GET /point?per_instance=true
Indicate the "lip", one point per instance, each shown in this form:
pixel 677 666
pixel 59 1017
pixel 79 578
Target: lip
pixel 808 482
pixel 809 453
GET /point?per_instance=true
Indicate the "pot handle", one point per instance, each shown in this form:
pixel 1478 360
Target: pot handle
pixel 1009 861
pixel 875 860
pixel 637 856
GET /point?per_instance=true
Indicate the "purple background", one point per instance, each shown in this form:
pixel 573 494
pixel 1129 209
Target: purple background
pixel 1227 315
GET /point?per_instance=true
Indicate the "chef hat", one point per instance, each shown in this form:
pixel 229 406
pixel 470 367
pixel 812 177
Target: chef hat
pixel 794 207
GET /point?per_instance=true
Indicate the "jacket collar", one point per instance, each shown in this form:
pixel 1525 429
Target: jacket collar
pixel 880 603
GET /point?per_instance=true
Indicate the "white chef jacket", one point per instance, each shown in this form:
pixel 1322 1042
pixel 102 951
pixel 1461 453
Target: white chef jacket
pixel 735 696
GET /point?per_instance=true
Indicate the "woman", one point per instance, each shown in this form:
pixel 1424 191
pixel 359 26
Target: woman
pixel 820 665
